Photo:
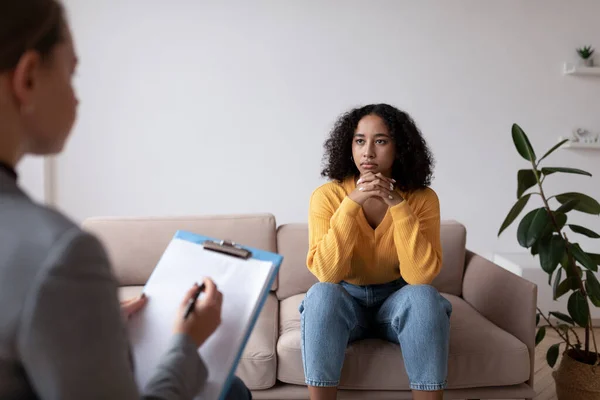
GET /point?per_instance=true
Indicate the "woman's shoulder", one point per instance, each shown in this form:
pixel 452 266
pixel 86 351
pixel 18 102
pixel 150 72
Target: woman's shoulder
pixel 332 191
pixel 423 196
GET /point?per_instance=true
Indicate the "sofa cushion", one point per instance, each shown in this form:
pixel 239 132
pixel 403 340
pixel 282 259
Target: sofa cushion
pixel 295 278
pixel 481 354
pixel 454 239
pixel 135 245
pixel 258 365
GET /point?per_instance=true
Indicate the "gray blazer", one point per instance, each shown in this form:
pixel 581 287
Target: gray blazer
pixel 61 332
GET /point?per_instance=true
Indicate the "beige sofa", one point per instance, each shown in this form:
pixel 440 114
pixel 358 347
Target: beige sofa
pixel 492 325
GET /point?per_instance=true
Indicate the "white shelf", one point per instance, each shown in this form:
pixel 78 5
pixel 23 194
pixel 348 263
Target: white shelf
pixel 579 145
pixel 571 69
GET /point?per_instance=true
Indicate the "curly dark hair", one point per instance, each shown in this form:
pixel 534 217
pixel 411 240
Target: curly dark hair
pixel 413 167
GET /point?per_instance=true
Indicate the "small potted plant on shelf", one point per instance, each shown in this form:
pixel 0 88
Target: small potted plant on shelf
pixel 570 269
pixel 586 53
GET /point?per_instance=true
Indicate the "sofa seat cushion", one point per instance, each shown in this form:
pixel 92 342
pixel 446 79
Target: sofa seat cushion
pixel 258 364
pixel 481 354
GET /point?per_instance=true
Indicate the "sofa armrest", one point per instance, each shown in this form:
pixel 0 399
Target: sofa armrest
pixel 504 298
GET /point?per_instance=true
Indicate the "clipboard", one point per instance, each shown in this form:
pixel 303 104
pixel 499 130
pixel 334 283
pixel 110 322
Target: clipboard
pixel 243 274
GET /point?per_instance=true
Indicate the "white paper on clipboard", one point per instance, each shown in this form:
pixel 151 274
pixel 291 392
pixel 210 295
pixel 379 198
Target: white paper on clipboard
pixel 245 285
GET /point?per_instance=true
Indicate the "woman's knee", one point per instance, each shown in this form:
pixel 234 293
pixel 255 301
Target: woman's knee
pixel 327 300
pixel 426 299
pixel 326 294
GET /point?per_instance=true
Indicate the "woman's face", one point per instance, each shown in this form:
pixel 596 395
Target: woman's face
pixel 48 100
pixel 373 148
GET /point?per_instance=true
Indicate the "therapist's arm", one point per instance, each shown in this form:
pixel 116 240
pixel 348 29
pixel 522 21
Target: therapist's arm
pixel 71 339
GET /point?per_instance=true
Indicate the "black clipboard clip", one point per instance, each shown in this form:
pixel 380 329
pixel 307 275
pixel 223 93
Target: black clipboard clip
pixel 227 247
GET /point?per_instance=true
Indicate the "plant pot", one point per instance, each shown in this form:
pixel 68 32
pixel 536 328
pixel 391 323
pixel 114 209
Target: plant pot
pixel 576 380
pixel 587 62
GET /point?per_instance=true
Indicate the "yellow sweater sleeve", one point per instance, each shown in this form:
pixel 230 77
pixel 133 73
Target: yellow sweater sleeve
pixel 417 238
pixel 332 236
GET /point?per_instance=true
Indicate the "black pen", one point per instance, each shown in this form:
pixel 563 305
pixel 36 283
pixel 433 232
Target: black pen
pixel 192 302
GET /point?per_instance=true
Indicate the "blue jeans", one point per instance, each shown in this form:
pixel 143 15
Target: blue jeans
pixel 416 317
pixel 238 390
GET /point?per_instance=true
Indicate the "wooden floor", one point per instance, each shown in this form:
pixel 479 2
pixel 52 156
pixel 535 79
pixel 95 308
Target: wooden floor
pixel 543 381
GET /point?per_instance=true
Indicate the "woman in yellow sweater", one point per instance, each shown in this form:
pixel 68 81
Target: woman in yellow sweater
pixel 374 236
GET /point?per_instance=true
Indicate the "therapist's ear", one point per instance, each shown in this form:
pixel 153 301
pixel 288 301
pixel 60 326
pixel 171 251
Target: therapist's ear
pixel 25 81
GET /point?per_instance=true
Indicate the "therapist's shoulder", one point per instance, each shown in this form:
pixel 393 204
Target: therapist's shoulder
pixel 52 237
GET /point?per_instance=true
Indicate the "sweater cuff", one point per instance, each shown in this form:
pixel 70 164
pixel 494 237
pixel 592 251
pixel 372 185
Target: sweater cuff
pixel 349 207
pixel 401 211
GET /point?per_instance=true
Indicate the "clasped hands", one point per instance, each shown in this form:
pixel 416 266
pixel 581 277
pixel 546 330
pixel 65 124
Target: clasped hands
pixel 377 186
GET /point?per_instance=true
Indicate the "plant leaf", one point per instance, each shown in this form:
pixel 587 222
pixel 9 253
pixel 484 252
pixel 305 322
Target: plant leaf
pixel 592 285
pixel 570 283
pixel 535 248
pixel 522 143
pixel 586 204
pixel 551 170
pixel 568 268
pixel 583 258
pixel 568 206
pixel 584 231
pixel 556 146
pixel 539 336
pixel 556 285
pixel 537 319
pixel 562 317
pixel 561 219
pixel 532 227
pixel 525 180
pixel 578 308
pixel 552 354
pixel 594 257
pixel 595 301
pixel 551 252
pixel 514 212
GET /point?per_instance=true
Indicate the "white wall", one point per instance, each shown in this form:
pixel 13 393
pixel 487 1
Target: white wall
pixel 33 178
pixel 198 107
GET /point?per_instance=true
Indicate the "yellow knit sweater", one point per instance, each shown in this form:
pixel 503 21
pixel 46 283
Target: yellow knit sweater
pixel 343 246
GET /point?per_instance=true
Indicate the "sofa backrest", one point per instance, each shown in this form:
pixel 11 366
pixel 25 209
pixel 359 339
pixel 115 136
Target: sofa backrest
pixel 135 245
pixel 295 278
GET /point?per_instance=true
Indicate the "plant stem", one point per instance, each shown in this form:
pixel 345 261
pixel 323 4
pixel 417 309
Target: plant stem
pixel 566 339
pixel 595 347
pixel 587 339
pixel 571 261
pixel 589 328
pixel 576 335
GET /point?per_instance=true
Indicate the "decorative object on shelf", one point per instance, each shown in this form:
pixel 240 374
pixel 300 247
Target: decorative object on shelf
pixel 581 139
pixel 586 54
pixel 584 136
pixel 572 69
pixel 569 267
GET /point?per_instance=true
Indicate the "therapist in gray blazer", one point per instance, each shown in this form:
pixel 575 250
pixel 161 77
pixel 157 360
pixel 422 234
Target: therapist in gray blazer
pixel 62 333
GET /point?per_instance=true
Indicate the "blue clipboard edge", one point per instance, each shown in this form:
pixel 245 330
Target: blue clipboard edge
pixel 257 254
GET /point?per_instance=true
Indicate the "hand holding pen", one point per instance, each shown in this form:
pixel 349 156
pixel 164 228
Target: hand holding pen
pixel 200 316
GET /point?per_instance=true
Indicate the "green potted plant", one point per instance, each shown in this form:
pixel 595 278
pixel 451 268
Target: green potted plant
pixel 570 269
pixel 586 53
